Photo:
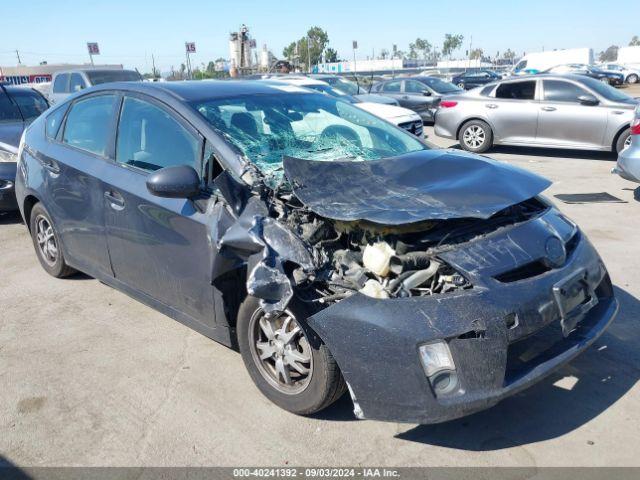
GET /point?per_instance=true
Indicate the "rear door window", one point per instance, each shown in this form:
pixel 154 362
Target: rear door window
pixel 61 83
pixel 413 86
pixel 150 138
pixel 559 91
pixel 88 125
pixel 517 90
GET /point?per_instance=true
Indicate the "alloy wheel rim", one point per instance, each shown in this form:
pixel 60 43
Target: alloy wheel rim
pixel 46 241
pixel 281 351
pixel 474 136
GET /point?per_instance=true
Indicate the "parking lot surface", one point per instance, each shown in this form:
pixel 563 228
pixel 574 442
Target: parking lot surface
pixel 91 377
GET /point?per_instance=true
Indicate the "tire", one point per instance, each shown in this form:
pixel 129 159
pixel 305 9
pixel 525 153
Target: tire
pixel 46 242
pixel 461 85
pixel 476 136
pixel 632 79
pixel 308 394
pixel 622 139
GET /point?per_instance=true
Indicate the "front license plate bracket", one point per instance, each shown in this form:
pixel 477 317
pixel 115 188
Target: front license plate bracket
pixel 574 297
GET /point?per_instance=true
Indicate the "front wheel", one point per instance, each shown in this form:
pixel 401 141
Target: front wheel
pixel 632 79
pixel 476 136
pixel 286 360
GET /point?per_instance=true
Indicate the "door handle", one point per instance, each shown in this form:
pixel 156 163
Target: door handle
pixel 405 97
pixel 549 109
pixel 115 200
pixel 491 106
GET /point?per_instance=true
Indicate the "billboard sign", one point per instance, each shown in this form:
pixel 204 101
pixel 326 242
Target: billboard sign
pixel 93 48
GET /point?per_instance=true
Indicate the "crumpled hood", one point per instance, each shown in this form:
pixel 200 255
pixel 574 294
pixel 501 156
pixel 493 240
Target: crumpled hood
pixel 424 185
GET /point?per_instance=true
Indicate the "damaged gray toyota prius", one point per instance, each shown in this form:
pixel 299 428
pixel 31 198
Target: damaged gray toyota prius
pixel 334 250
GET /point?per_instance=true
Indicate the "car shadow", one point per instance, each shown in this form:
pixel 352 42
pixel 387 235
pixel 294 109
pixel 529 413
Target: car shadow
pixel 561 403
pixel 10 471
pixel 553 152
pixel 7 218
pixel 340 411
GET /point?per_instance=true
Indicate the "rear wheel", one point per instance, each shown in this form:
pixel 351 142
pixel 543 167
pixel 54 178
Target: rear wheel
pixel 476 136
pixel 632 79
pixel 624 140
pixel 47 243
pixel 286 360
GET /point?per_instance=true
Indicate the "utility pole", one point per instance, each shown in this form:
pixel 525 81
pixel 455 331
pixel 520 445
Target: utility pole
pixel 355 47
pixel 153 66
pixel 18 55
pixel 308 54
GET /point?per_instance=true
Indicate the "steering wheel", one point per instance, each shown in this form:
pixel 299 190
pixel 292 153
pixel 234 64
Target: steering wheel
pixel 338 132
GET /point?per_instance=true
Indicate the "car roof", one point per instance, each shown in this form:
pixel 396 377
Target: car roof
pixel 17 88
pixel 194 90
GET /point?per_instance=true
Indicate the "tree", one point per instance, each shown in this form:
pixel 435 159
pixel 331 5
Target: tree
pixel 509 54
pixel 423 47
pixel 309 47
pixel 331 55
pixel 384 54
pixel 452 42
pixel 476 53
pixel 635 41
pixel 610 54
pixel 413 52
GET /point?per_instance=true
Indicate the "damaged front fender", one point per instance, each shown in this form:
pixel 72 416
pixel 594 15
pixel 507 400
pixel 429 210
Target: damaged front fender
pixel 247 236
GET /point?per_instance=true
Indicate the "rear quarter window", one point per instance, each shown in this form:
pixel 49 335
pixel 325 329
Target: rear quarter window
pixel 52 125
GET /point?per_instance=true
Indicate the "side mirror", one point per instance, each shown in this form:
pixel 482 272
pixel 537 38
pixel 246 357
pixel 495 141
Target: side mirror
pixel 181 181
pixel 426 93
pixel 588 100
pixel 77 88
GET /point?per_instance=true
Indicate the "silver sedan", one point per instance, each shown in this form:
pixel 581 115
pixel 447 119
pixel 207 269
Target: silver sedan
pixel 628 166
pixel 554 111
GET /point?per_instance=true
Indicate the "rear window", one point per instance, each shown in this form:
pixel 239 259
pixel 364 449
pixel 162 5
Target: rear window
pixel 486 91
pixel 9 113
pixel 517 90
pixel 60 83
pixel 96 77
pixel 30 103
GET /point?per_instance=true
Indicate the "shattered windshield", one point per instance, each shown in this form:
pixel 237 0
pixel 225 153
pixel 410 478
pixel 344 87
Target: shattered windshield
pixel 304 125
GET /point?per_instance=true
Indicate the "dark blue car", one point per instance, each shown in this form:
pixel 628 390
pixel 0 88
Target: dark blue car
pixel 19 106
pixel 334 250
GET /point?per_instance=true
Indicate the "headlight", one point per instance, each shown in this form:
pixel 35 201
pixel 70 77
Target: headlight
pixel 6 185
pixel 6 156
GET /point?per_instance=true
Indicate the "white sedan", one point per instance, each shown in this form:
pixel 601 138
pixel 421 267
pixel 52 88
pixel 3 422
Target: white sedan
pixel 402 117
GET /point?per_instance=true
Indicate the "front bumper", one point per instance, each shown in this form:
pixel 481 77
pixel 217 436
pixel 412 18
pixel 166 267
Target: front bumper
pixel 7 186
pixel 376 342
pixel 628 165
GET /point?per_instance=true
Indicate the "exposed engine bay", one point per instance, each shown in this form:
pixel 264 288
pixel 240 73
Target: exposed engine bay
pixel 379 234
pixel 385 261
